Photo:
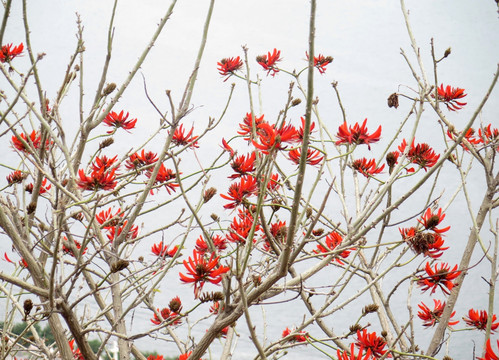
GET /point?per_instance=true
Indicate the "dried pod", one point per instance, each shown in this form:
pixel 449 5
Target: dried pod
pixel 106 143
pixel 370 309
pixel 391 159
pixel 78 216
pixel 28 306
pixel 295 102
pixel 384 334
pixel 355 328
pixel 208 194
pixel 393 100
pixel 141 258
pixel 31 208
pixel 119 265
pixel 109 89
pixel 175 305
pixel 318 232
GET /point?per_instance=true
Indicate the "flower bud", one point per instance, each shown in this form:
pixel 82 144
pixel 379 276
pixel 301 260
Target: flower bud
pixel 295 102
pixel 208 194
pixel 109 89
pixel 119 265
pixel 393 100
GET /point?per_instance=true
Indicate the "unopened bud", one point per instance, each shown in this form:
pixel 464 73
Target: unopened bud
pixel 119 265
pixel 393 100
pixel 109 89
pixel 369 309
pixel 208 194
pixel 106 143
pixel 214 217
pixel 447 52
pixel 295 102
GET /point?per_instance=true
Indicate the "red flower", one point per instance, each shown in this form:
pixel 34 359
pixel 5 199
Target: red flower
pixel 478 319
pixel 367 168
pixel 298 337
pixel 321 61
pixel 226 147
pixel 102 179
pixel 247 125
pixel 166 315
pixel 76 352
pixel 106 218
pixel 8 52
pixel 268 62
pixel 67 250
pixel 136 161
pixel 34 140
pixel 278 231
pixel 155 357
pixel 344 355
pixel 313 156
pixel 239 191
pixel 16 177
pixel 132 233
pixel 489 135
pixel 243 165
pixel 43 188
pixel 119 121
pixel 180 138
pixel 228 66
pixel 271 138
pixel 218 241
pixel 161 250
pixel 438 278
pixel 432 317
pixel 421 154
pixel 489 353
pixel 301 130
pixel 239 230
pixel 449 97
pixel 273 184
pixel 430 220
pixel 371 342
pixel 215 308
pixel 103 162
pixel 185 356
pixel 200 270
pixel 164 176
pixel 332 241
pixel 428 244
pixel 468 137
pixel 357 134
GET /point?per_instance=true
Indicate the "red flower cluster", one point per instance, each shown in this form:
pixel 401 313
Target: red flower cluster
pixel 432 317
pixel 120 120
pixel 7 53
pixel 332 241
pixel 76 352
pixel 345 355
pixel 428 244
pixel 243 165
pixel 161 250
pixel 164 176
pixel 489 136
pixel 166 315
pixel 180 138
pixel 155 357
pixel 268 62
pixel 199 270
pixel 357 134
pixel 430 220
pixel 239 191
pixel 367 168
pixel 43 188
pixel 489 353
pixel 321 61
pixel 370 341
pixel 449 96
pixel 68 250
pixel 137 161
pixel 296 337
pixel 313 156
pixel 115 224
pixel 33 140
pixel 271 137
pixel 478 320
pixel 219 242
pixel 438 277
pixel 16 177
pixel 421 154
pixel 247 125
pixel 228 66
pixel 239 230
pixel 103 176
